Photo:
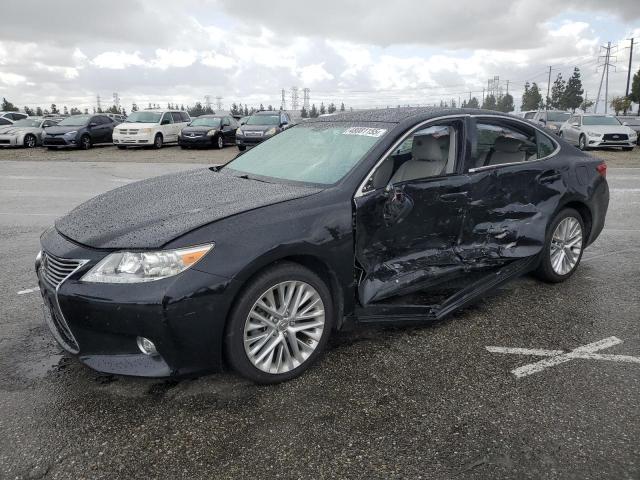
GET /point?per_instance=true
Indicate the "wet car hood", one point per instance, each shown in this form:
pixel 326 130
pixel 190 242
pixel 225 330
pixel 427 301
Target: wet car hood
pixel 257 128
pixel 151 213
pixel 11 130
pixel 62 129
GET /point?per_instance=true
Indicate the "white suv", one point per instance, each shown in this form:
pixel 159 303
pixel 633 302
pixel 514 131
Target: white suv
pixel 151 128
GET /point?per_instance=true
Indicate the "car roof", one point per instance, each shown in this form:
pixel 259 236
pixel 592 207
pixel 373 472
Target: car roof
pixel 266 112
pixel 211 116
pixel 398 115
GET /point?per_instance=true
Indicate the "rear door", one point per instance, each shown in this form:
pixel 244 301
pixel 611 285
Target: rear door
pixel 410 214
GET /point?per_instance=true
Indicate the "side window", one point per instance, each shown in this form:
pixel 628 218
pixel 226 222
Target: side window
pixel 48 123
pixel 545 145
pixel 177 118
pixel 529 115
pixel 167 118
pixel 4 121
pixel 185 117
pixel 502 143
pixel 428 152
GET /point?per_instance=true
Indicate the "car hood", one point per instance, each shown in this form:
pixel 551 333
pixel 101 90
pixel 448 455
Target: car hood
pixel 151 213
pixel 10 130
pixel 136 125
pixel 257 128
pixel 62 129
pixel 621 129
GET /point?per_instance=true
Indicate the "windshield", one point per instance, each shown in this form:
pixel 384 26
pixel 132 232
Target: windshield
pixel 263 120
pixel 600 120
pixel 314 153
pixel 558 116
pixel 27 122
pixel 75 121
pixel 144 117
pixel 205 122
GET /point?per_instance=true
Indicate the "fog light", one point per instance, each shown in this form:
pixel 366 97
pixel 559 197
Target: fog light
pixel 146 346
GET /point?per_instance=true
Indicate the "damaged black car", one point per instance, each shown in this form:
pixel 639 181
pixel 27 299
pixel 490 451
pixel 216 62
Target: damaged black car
pixel 385 216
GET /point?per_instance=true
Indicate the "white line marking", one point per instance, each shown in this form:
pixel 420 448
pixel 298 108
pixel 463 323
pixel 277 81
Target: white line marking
pixel 33 214
pixel 624 190
pixel 28 290
pixel 611 253
pixel 556 357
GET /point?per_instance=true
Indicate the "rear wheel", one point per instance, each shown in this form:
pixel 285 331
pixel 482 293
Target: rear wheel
pixel 563 247
pixel 582 143
pixel 280 324
pixel 30 141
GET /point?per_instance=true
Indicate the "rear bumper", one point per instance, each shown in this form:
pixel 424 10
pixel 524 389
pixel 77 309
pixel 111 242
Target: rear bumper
pixel 599 206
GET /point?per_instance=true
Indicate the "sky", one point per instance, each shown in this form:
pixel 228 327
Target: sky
pixel 365 53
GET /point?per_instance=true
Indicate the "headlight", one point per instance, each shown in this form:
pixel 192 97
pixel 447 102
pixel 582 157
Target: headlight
pixel 71 134
pixel 239 133
pixel 137 267
pixel 271 131
pixel 594 134
pixel 553 127
pixel 212 132
pixel 146 130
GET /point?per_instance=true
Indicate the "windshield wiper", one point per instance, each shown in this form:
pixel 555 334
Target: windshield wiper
pixel 247 177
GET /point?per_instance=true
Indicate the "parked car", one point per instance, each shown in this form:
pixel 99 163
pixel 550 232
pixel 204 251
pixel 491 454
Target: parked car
pixel 528 114
pixel 323 226
pixel 116 117
pixel 243 120
pixel 592 130
pixel 209 131
pixel 5 121
pixel 81 131
pixel 633 122
pixel 552 119
pixel 150 128
pixel 25 133
pixel 13 116
pixel 261 126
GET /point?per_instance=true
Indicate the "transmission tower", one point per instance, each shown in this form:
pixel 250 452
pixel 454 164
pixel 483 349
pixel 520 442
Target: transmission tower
pixel 605 75
pixel 219 103
pixel 283 102
pixel 305 98
pixel 294 98
pixel 207 101
pixel 116 99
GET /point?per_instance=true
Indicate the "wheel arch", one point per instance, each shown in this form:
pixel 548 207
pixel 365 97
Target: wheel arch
pixel 584 211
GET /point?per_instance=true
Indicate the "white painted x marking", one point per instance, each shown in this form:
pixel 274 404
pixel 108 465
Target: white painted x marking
pixel 556 357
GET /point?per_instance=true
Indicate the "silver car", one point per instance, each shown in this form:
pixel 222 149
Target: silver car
pixel 24 133
pixel 552 119
pixel 593 130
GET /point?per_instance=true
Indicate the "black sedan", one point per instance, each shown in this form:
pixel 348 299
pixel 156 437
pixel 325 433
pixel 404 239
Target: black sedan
pixel 209 131
pixel 80 131
pixel 383 216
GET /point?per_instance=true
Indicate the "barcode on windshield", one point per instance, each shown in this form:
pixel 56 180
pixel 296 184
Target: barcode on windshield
pixel 365 131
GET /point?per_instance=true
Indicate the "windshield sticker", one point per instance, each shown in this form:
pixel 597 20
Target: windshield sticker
pixel 365 131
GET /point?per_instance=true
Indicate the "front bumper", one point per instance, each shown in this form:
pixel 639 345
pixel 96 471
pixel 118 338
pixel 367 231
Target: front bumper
pixel 9 141
pixel 184 316
pixel 133 139
pixel 198 141
pixel 245 141
pixel 59 141
pixel 602 142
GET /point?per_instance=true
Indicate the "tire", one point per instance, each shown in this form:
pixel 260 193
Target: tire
pixel 51 148
pixel 120 147
pixel 30 141
pixel 183 147
pixel 85 142
pixel 627 149
pixel 219 142
pixel 281 361
pixel 548 270
pixel 242 148
pixel 157 141
pixel 582 143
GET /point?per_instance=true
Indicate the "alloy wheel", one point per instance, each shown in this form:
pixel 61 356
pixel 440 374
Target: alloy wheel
pixel 220 142
pixel 284 327
pixel 566 245
pixel 30 141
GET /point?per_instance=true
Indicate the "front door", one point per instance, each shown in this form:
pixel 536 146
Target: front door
pixel 410 218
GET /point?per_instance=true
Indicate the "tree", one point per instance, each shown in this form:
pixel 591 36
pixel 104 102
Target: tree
pixel 490 102
pixel 29 111
pixel 573 91
pixel 473 103
pixel 261 107
pixel 342 107
pixel 620 103
pixel 331 108
pixel 234 109
pixel 39 111
pixel 314 111
pixel 7 106
pixel 134 107
pixel 86 111
pixel 246 110
pixel 75 111
pixel 505 103
pixel 531 98
pixel 304 113
pixel 557 93
pixel 196 110
pixel 634 95
pixel 270 107
pixel 323 110
pixel 54 109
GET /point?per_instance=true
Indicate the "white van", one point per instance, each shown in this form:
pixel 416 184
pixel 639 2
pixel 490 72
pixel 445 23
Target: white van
pixel 150 128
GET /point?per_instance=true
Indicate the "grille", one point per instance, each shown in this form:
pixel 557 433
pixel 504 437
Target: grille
pixel 615 137
pixel 4 142
pixel 56 269
pixel 59 328
pixel 54 140
pixel 124 131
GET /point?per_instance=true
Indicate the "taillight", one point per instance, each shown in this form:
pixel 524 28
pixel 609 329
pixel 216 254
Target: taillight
pixel 602 169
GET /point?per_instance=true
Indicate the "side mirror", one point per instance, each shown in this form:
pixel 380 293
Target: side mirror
pixel 543 121
pixel 93 124
pixel 577 125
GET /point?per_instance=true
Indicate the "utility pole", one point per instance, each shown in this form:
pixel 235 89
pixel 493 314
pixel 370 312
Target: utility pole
pixel 283 102
pixel 548 90
pixel 482 97
pixel 629 71
pixel 507 87
pixel 98 103
pixel 305 98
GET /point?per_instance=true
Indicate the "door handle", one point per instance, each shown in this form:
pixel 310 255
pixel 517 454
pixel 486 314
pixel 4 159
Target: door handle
pixel 549 177
pixel 453 197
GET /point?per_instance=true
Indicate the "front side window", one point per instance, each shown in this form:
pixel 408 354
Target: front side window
pixel 167 118
pixel 529 115
pixel 320 153
pixel 501 143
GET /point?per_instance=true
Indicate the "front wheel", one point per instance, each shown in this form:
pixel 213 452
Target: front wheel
pixel 563 247
pixel 30 141
pixel 582 143
pixel 85 142
pixel 157 141
pixel 242 148
pixel 280 324
pixel 219 142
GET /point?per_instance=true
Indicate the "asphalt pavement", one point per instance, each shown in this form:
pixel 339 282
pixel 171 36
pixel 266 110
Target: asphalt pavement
pixel 428 402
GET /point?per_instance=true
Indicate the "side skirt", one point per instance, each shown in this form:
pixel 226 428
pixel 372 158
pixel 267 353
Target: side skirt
pixel 399 313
